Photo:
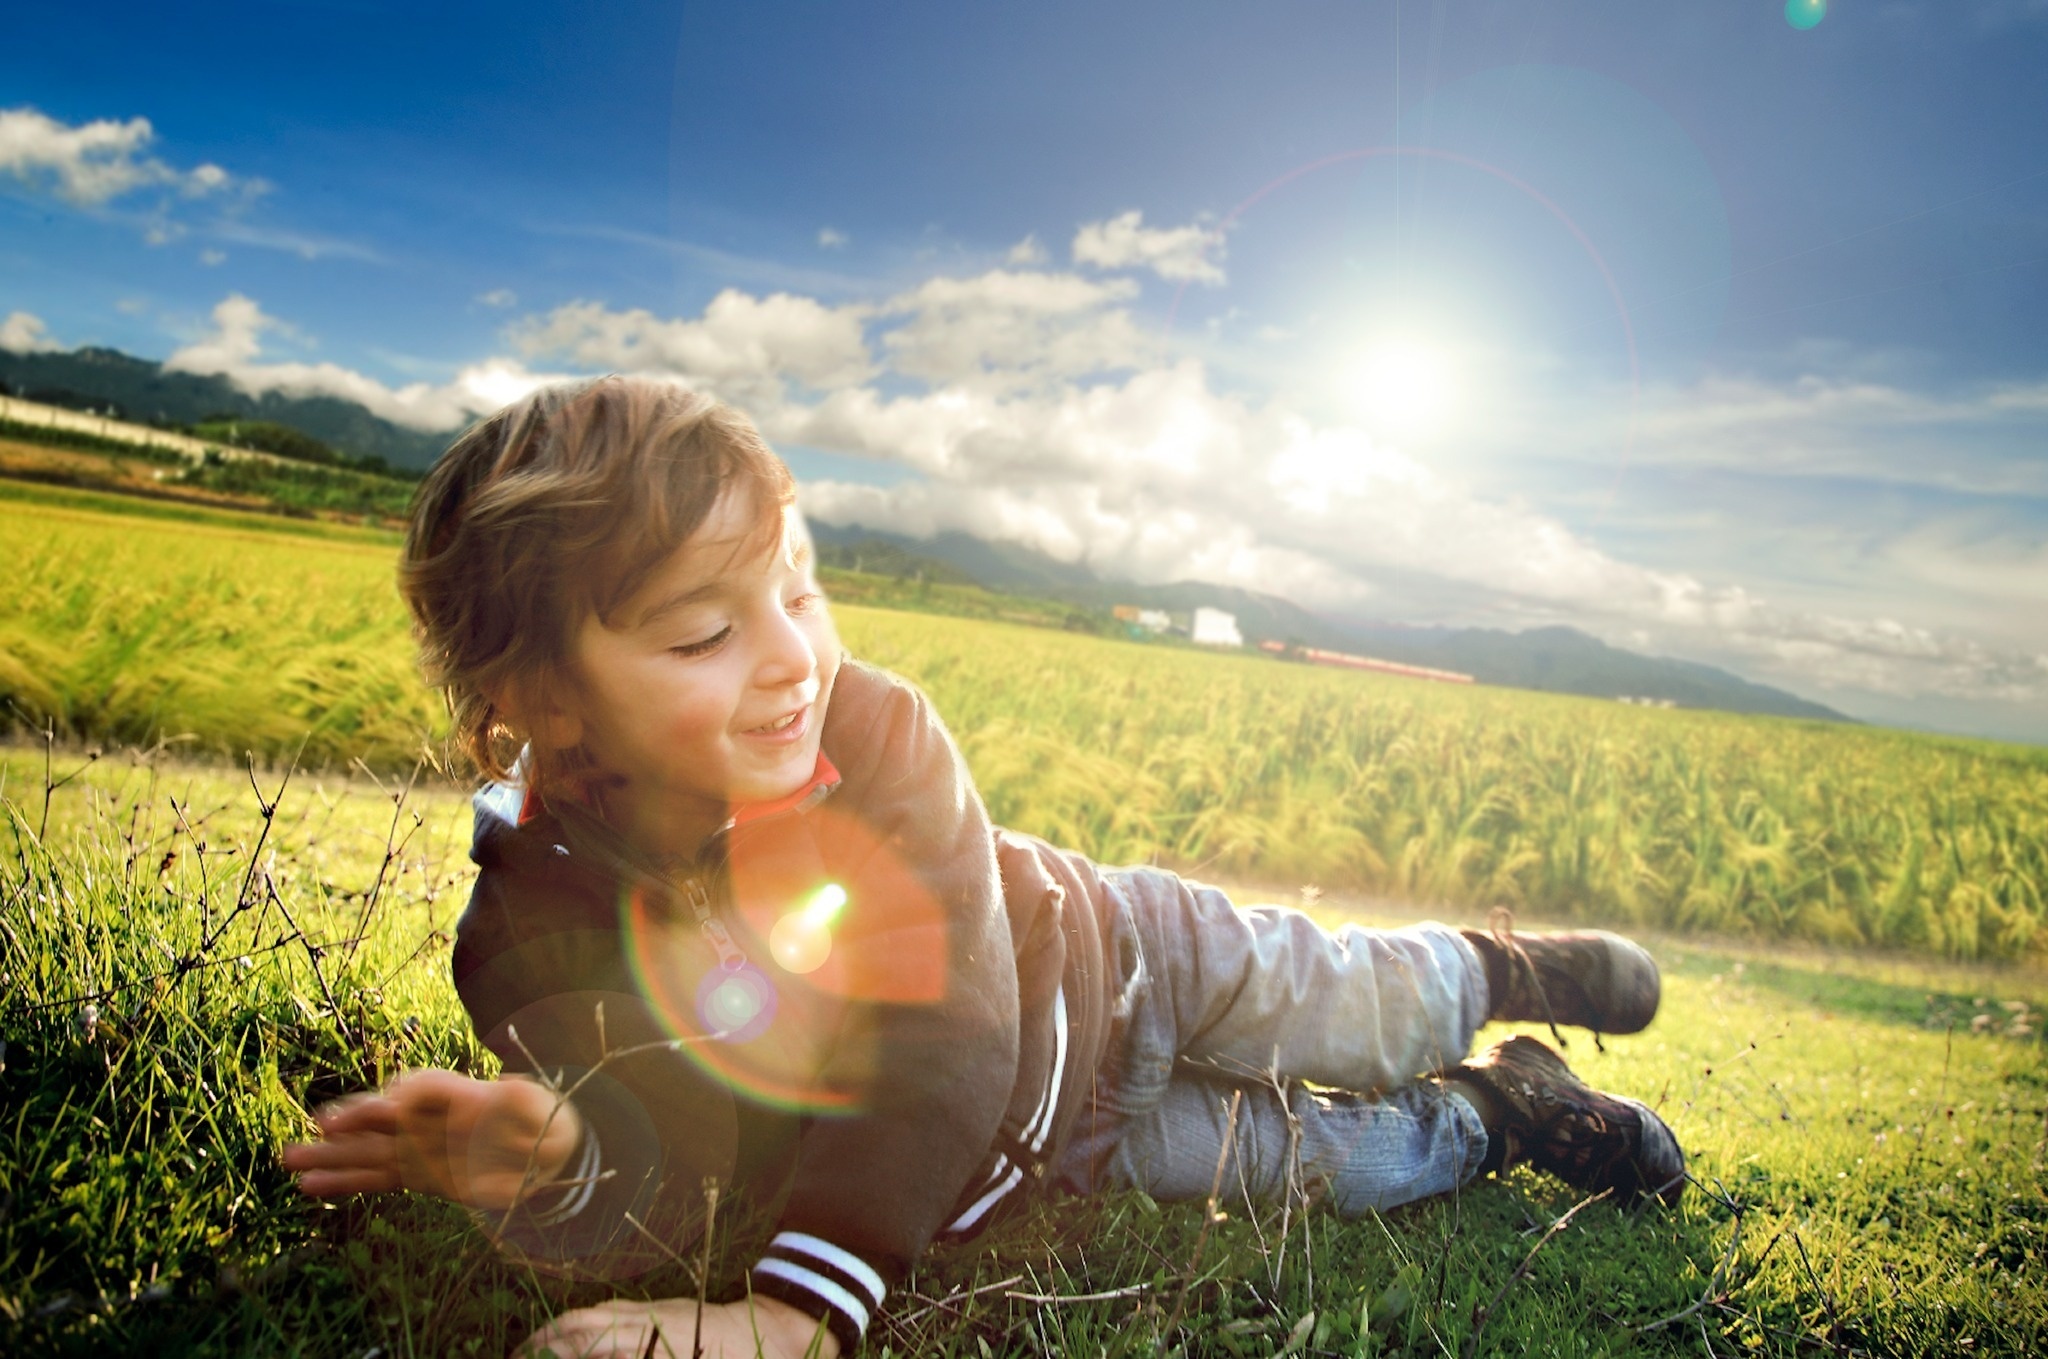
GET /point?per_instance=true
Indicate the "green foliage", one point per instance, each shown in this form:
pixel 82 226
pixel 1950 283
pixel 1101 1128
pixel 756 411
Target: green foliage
pixel 53 436
pixel 1876 1155
pixel 289 442
pixel 98 504
pixel 318 480
pixel 302 489
pixel 143 390
pixel 125 629
pixel 267 435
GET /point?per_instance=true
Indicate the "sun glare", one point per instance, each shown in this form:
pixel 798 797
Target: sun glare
pixel 1402 388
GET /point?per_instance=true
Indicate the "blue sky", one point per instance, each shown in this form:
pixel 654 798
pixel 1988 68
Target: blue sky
pixel 1711 335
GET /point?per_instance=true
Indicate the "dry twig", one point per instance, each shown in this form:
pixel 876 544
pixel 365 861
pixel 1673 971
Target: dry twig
pixel 1209 1216
pixel 1482 1315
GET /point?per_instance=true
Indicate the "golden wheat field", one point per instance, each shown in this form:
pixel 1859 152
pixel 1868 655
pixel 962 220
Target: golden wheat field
pixel 225 635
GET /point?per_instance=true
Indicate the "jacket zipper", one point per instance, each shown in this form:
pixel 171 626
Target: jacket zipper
pixel 730 955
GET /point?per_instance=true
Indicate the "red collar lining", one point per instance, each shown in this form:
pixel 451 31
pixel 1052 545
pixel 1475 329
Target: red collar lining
pixel 823 774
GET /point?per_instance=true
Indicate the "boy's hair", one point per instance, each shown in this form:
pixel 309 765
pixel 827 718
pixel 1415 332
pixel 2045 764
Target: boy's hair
pixel 553 509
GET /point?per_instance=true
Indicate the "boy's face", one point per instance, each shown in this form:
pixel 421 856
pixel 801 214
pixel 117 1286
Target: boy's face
pixel 708 688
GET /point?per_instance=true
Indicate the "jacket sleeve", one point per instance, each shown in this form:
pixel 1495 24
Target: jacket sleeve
pixel 930 1035
pixel 548 992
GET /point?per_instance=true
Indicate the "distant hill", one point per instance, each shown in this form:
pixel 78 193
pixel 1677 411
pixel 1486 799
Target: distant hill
pixel 140 390
pixel 1558 659
pixel 1555 659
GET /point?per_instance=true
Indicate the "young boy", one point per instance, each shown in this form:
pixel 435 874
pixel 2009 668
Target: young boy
pixel 738 898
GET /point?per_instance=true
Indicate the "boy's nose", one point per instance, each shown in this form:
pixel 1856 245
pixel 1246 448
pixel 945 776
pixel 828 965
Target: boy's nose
pixel 787 656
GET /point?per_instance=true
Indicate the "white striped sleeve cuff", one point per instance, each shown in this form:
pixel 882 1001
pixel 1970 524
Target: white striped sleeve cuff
pixel 823 1280
pixel 577 1186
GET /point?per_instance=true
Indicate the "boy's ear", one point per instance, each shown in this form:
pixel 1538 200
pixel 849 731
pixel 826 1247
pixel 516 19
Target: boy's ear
pixel 537 713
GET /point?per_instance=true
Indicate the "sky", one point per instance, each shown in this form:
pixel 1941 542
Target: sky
pixel 1713 329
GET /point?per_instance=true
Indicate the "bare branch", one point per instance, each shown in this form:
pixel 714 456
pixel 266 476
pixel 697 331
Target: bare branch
pixel 1482 1315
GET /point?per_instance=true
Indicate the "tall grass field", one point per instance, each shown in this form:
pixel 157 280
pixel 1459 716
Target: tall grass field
pixel 229 882
pixel 205 632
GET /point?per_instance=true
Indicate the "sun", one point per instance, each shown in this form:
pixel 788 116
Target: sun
pixel 1402 387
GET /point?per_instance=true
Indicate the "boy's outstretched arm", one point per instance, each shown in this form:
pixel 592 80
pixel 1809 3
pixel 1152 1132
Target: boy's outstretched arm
pixel 485 1144
pixel 669 1327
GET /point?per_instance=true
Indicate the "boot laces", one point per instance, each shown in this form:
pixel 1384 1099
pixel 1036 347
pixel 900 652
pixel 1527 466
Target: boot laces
pixel 1500 923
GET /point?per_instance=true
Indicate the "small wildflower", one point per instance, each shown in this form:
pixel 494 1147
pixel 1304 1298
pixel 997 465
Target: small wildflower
pixel 88 1020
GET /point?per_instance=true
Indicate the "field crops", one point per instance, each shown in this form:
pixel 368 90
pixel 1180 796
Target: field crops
pixel 193 954
pixel 224 635
pixel 191 959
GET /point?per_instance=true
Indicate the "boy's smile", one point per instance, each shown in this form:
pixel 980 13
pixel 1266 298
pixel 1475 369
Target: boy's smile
pixel 708 687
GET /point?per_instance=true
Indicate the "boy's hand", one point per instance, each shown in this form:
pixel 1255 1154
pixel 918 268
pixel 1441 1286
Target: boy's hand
pixel 486 1144
pixel 735 1330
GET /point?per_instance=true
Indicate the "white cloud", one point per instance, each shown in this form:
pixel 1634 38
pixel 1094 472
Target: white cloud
pixel 307 245
pixel 1186 254
pixel 742 345
pixel 1982 440
pixel 91 164
pixel 1026 254
pixel 234 348
pixel 213 258
pixel 498 297
pixel 831 238
pixel 26 334
pixel 1010 328
pixel 1032 407
pixel 1034 410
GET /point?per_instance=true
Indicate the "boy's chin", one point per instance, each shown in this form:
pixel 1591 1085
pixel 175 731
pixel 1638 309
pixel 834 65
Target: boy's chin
pixel 784 779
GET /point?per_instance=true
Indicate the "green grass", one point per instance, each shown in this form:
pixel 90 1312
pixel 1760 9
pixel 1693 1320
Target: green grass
pixel 1883 1151
pixel 207 632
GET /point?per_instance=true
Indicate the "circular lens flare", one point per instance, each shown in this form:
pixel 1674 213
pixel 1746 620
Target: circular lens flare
pixel 799 943
pixel 738 1004
pixel 802 940
pixel 1804 14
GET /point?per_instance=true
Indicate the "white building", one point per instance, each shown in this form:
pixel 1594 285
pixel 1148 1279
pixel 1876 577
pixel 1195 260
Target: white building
pixel 1213 627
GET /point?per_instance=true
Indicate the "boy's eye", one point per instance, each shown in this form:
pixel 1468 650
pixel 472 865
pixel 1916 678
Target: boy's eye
pixel 710 643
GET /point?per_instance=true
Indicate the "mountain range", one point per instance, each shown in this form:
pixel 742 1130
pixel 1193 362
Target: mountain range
pixel 142 390
pixel 1558 659
pixel 1555 659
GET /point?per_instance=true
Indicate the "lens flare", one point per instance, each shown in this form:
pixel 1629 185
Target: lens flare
pixel 739 1004
pixel 1402 387
pixel 752 1035
pixel 802 940
pixel 1804 14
